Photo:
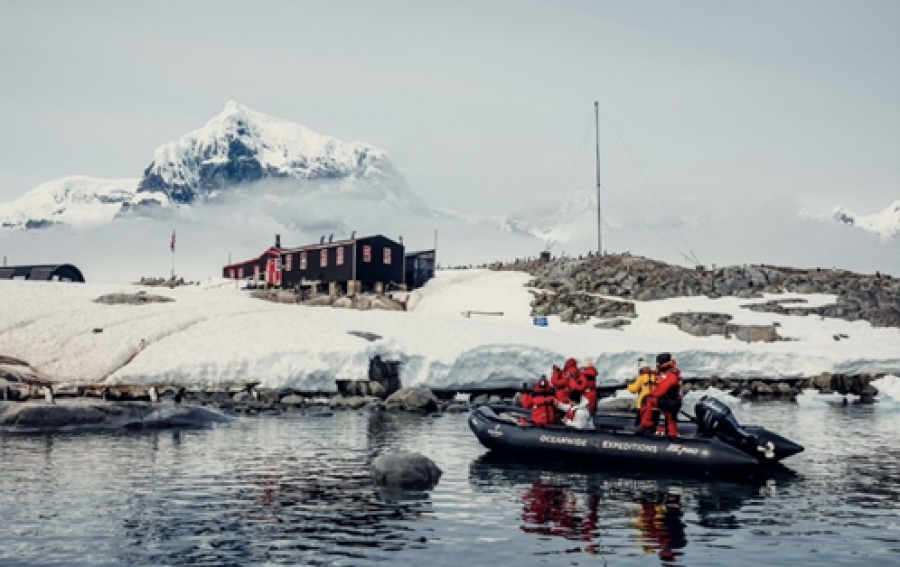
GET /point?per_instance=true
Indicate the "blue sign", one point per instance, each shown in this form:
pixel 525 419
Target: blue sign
pixel 541 322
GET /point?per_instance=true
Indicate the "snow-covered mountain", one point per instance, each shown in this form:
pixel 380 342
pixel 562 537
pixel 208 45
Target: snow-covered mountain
pixel 236 149
pixel 76 200
pixel 241 146
pixel 886 222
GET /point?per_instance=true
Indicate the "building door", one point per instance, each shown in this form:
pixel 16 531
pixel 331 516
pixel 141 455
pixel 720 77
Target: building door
pixel 273 273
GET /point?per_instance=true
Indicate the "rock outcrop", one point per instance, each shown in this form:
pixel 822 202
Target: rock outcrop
pixel 709 324
pixel 405 471
pixel 420 400
pixel 138 298
pixel 85 413
pixel 604 286
pixel 362 302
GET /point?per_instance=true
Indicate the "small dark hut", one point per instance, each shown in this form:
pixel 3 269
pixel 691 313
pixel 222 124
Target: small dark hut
pixel 419 268
pixel 44 272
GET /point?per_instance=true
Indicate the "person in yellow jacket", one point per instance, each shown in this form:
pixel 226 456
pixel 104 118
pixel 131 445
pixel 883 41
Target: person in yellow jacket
pixel 641 386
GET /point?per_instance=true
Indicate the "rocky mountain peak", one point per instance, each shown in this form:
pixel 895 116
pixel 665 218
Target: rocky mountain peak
pixel 241 145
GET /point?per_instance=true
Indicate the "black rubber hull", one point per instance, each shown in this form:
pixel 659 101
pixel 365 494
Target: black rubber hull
pixel 615 447
pixel 782 448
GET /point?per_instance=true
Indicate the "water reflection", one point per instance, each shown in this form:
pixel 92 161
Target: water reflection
pixel 554 511
pixel 661 525
pixel 584 505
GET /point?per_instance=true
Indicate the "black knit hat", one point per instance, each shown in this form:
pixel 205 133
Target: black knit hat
pixel 663 358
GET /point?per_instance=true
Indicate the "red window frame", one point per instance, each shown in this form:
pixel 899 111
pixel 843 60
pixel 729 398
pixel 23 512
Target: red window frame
pixel 231 273
pixel 323 258
pixel 240 273
pixel 288 263
pixel 340 256
pixel 303 260
pixel 367 254
pixel 386 255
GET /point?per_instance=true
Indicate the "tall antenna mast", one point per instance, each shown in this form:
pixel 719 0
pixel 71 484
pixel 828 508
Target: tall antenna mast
pixel 599 208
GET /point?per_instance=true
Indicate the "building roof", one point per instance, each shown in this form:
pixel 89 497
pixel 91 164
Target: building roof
pixel 271 251
pixel 39 272
pixel 344 242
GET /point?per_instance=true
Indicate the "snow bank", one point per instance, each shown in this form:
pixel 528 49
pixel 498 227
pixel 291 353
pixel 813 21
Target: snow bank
pixel 216 334
pixel 888 389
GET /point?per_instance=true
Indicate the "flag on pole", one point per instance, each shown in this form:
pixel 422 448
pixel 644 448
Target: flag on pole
pixel 172 246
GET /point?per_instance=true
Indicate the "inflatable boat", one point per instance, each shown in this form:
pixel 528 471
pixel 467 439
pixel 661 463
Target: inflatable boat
pixel 714 442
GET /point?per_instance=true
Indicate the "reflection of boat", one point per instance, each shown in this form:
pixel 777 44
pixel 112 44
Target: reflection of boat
pixel 715 443
pixel 578 503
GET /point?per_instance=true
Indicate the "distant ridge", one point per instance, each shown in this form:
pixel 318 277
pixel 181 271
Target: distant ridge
pixel 885 222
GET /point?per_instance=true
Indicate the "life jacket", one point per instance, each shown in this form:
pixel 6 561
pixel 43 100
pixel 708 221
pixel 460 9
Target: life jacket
pixel 543 410
pixel 577 383
pixel 571 374
pixel 561 385
pixel 667 394
pixel 526 400
pixel 668 384
pixel 642 386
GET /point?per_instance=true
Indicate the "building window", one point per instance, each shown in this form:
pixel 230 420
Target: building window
pixel 231 273
pixel 256 272
pixel 323 258
pixel 340 256
pixel 367 253
pixel 387 255
pixel 303 260
pixel 240 273
pixel 288 262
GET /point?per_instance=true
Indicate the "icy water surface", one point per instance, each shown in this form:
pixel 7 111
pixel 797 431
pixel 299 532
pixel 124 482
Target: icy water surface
pixel 296 490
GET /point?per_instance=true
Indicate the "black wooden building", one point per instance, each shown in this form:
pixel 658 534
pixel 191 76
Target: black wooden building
pixel 371 261
pixel 43 272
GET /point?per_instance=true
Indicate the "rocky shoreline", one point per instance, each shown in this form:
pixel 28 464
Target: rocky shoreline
pixel 605 287
pixel 134 408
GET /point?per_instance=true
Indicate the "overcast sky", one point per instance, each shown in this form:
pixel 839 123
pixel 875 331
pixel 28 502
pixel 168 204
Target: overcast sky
pixel 482 105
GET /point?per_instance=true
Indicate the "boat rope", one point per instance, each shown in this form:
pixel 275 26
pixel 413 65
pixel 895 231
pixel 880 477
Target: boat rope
pixel 692 257
pixel 649 227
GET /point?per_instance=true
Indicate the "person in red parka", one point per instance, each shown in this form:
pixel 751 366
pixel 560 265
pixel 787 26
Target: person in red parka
pixel 540 402
pixel 665 396
pixel 589 373
pixel 576 380
pixel 560 380
pixel 568 379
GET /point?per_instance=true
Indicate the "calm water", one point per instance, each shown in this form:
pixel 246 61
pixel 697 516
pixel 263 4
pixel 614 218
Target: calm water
pixel 296 490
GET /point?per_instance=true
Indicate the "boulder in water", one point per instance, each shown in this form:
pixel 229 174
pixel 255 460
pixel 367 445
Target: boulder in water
pixel 406 471
pixel 413 399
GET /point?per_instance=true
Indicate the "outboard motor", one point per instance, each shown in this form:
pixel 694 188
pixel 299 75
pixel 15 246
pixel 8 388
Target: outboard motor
pixel 714 418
